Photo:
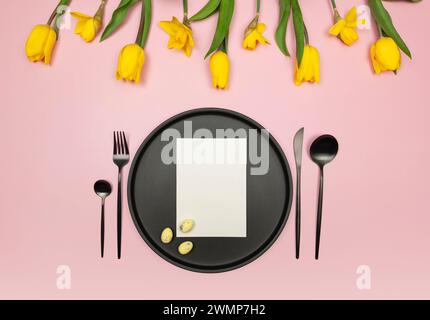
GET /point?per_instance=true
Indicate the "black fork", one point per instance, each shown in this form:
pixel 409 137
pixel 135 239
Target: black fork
pixel 121 156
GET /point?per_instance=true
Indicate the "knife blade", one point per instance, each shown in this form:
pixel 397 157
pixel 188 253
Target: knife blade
pixel 298 148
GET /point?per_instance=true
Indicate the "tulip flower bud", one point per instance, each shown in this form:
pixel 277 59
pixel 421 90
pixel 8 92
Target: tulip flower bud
pixel 41 43
pixel 130 63
pixel 309 69
pixel 385 55
pixel 220 68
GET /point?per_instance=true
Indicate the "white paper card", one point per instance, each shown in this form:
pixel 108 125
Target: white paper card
pixel 211 186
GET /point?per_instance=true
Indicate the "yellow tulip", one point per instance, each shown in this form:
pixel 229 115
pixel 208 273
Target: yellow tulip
pixel 345 28
pixel 41 43
pixel 255 35
pixel 220 69
pixel 130 63
pixel 181 36
pixel 87 27
pixel 385 55
pixel 309 69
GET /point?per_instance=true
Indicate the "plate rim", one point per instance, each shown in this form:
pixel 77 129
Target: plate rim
pixel 173 119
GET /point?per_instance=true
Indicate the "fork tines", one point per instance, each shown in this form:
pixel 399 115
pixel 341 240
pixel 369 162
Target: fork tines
pixel 120 143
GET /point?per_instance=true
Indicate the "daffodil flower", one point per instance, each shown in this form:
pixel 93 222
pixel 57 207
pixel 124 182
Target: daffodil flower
pixel 345 29
pixel 41 43
pixel 309 69
pixel 254 31
pixel 254 35
pixel 220 69
pixel 181 36
pixel 385 55
pixel 87 26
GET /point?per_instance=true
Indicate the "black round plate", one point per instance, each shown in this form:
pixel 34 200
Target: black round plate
pixel 152 198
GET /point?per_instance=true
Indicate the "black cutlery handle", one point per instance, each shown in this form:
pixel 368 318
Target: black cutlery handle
pixel 298 213
pixel 102 229
pixel 119 215
pixel 319 214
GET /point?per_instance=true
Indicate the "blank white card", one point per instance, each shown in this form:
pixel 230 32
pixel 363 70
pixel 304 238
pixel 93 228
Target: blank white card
pixel 211 186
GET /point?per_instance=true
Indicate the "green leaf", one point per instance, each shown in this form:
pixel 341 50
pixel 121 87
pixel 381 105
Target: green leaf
pixel 299 30
pixel 281 31
pixel 206 11
pixel 226 10
pixel 224 45
pixel 147 22
pixel 415 1
pixel 118 17
pixel 384 21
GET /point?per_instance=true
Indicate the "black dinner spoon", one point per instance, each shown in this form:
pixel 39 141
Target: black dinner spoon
pixel 323 150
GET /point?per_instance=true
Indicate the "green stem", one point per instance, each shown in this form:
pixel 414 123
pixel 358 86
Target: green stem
pixel 59 12
pixel 224 45
pixel 55 12
pixel 306 34
pixel 258 7
pixel 185 2
pixel 185 20
pixel 147 13
pixel 141 25
pixel 335 12
pixel 333 4
pixel 101 9
pixel 53 15
pixel 381 34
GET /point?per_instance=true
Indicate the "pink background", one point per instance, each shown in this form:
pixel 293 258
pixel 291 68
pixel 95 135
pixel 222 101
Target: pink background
pixel 56 126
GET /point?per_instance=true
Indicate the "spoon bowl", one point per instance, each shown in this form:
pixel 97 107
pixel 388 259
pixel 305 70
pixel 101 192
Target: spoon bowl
pixel 103 189
pixel 324 149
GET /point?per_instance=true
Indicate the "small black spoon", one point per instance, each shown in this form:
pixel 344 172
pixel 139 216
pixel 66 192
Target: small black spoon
pixel 323 150
pixel 103 189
